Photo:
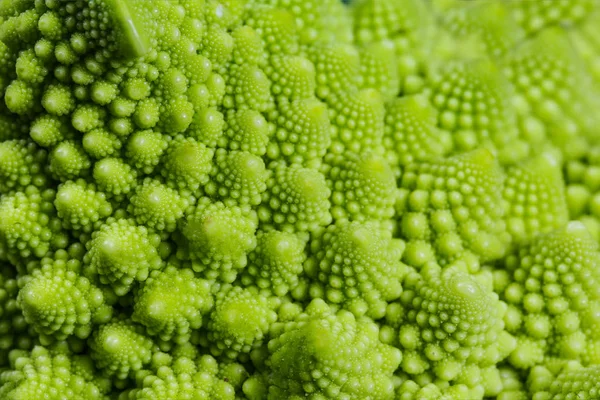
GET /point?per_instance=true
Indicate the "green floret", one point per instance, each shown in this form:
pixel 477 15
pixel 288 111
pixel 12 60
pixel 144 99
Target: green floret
pixel 58 302
pixel 144 150
pixel 379 69
pixel 219 238
pixel 185 376
pixel 58 100
pixel 303 131
pixel 513 387
pixel 451 209
pixel 170 303
pixel 409 27
pixel 479 28
pixel 358 122
pixel 239 321
pixel 450 326
pixel 323 354
pixel 49 130
pixel 292 77
pixel 186 164
pixel 80 206
pixel 318 20
pixel 275 264
pixel 68 161
pixel 248 46
pixel 535 16
pixel 19 97
pixel 22 163
pixel 473 104
pixel 100 143
pixel 28 223
pixel 237 178
pixel 297 199
pixel 120 348
pixel 411 390
pixel 337 69
pixel 114 177
pixel 19 23
pixel 42 374
pixel 554 99
pixel 217 45
pixel 534 198
pixel 247 130
pixel 248 87
pixel 256 387
pixel 120 253
pixel 86 118
pixel 276 27
pixel 233 373
pixel 358 265
pixel 208 124
pixel 177 115
pixel 552 288
pixel 362 186
pixel 583 183
pixel 411 134
pixel 376 20
pixel 100 27
pixel 572 381
pixel 157 206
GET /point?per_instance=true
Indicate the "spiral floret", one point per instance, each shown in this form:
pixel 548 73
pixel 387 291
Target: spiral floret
pixel 239 321
pixel 219 238
pixel 276 263
pixel 58 302
pixel 362 186
pixel 120 348
pixel 452 208
pixel 551 286
pixel 321 352
pixel 121 253
pixel 80 206
pixel 450 326
pixel 358 265
pixel 297 198
pixel 41 373
pixel 157 206
pixel 171 303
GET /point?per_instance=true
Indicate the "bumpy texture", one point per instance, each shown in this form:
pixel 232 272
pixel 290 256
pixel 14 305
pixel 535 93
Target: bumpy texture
pixel 299 199
pixel 219 237
pixel 170 303
pixel 449 326
pixel 451 208
pixel 358 266
pixel 569 381
pixel 320 355
pixel 276 262
pixel 239 321
pixel 552 288
pixel 362 187
pixel 534 195
pixel 181 377
pixel 57 302
pixel 121 252
pixel 120 347
pixel 45 374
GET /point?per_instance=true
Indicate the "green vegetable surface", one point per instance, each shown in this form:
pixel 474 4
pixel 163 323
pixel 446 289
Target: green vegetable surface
pixel 299 199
